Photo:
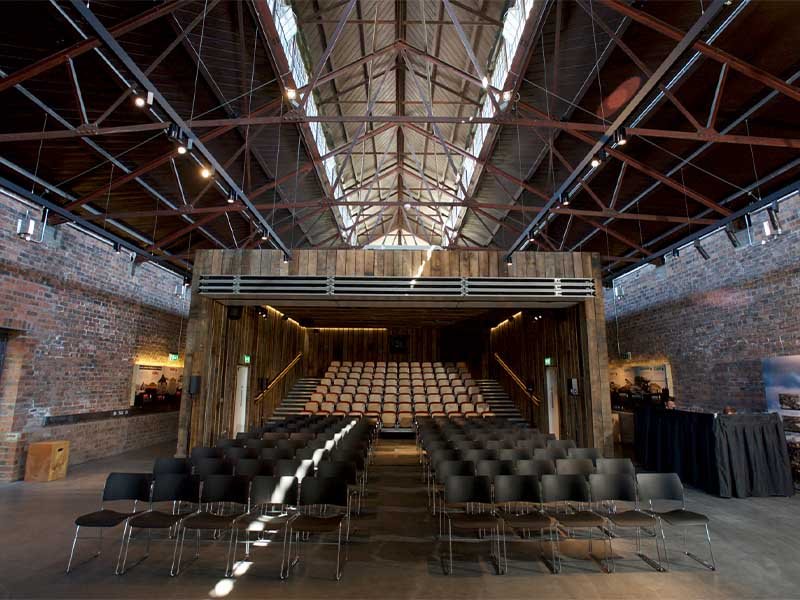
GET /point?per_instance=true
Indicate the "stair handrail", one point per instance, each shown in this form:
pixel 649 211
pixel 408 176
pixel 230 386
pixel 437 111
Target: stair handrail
pixel 280 375
pixel 530 396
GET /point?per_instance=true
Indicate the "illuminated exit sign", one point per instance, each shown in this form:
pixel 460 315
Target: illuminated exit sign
pixel 548 361
pixel 246 359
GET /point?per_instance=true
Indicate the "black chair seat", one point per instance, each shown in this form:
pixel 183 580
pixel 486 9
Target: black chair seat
pixel 683 517
pixel 262 522
pixel 155 519
pixel 472 520
pixel 102 518
pixel 205 520
pixel 312 524
pixel 632 518
pixel 582 518
pixel 535 520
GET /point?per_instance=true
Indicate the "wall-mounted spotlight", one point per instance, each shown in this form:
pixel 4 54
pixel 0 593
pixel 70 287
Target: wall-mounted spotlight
pixel 179 138
pixel 509 260
pixel 285 258
pixel 675 253
pixel 117 248
pixel 26 227
pixel 731 234
pixel 620 137
pixel 700 250
pixel 772 213
pixel 264 236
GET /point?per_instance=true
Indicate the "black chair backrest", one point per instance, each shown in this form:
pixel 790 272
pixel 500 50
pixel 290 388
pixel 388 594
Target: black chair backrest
pixel 616 466
pixel 291 467
pixel 549 453
pixel 341 469
pixel 514 454
pixel 517 488
pixel 234 453
pixel 536 466
pixel 276 453
pixel 438 456
pixel 212 466
pixel 273 490
pixel 291 444
pixel 225 488
pixel 621 488
pixel 575 466
pixel 172 465
pixel 205 452
pixel 565 488
pixel 476 455
pixel 309 453
pixel 591 453
pixel 302 435
pixel 275 435
pixel 127 486
pixel 251 467
pixel 170 487
pixel 467 488
pixel 323 490
pixel 257 444
pixel 491 468
pixel 447 468
pixel 228 442
pixel 659 486
pixel 565 444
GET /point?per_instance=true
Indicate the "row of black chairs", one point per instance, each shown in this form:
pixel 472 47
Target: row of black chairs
pixel 183 496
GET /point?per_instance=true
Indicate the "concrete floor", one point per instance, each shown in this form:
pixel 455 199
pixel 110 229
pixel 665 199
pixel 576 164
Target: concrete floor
pixel 393 553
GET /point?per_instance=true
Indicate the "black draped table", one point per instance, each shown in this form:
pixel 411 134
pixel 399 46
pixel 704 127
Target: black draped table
pixel 726 455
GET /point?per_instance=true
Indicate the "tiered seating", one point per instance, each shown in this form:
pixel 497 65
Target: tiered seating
pixel 271 480
pixel 395 394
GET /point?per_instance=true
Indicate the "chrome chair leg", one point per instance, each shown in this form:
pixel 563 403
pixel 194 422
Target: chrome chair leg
pixel 121 547
pixel 74 543
pixel 338 554
pixel 711 566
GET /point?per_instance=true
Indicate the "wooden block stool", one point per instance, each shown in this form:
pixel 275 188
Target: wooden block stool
pixel 47 461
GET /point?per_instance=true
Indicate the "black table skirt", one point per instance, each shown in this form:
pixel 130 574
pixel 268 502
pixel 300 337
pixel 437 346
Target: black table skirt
pixel 730 455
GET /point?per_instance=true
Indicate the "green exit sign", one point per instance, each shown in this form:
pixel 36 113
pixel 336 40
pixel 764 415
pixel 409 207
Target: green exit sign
pixel 247 359
pixel 173 356
pixel 548 361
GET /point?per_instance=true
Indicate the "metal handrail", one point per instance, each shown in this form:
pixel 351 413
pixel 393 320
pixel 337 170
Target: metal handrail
pixel 280 376
pixel 517 380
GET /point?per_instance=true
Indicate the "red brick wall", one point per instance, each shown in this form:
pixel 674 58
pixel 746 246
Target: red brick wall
pixel 715 320
pixel 80 320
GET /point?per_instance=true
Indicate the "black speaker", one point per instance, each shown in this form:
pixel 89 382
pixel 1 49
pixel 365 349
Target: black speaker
pixel 234 313
pixel 194 384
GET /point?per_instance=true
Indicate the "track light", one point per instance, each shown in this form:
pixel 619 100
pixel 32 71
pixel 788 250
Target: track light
pixel 485 82
pixel 406 205
pixel 732 236
pixel 509 260
pixel 206 173
pixel 595 162
pixel 117 249
pixel 231 196
pixel 285 258
pixel 700 250
pixel 620 137
pixel 264 236
pixel 140 101
pixel 291 93
pixel 506 95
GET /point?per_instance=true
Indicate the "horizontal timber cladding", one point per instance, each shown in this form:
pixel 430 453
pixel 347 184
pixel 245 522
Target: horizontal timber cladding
pixel 394 263
pixel 260 286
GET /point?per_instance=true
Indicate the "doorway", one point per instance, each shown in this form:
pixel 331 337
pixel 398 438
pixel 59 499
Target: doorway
pixel 553 408
pixel 240 405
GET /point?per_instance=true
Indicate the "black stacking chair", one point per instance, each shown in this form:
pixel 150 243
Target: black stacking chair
pixel 565 444
pixel 492 468
pixel 553 453
pixel 477 455
pixel 119 487
pixel 347 471
pixel 275 435
pixel 291 444
pixel 575 466
pixel 514 454
pixel 616 466
pixel 591 453
pixel 271 499
pixel 435 458
pixel 234 453
pixel 574 489
pixel 324 508
pixel 205 452
pixel 667 488
pixel 467 507
pixel 536 467
pixel 519 502
pixel 230 495
pixel 212 466
pixel 252 467
pixel 168 489
pixel 445 469
pixel 257 444
pixel 176 466
pixel 276 453
pixel 612 490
